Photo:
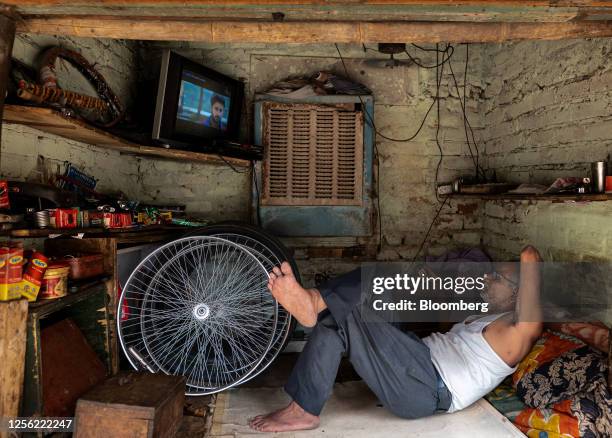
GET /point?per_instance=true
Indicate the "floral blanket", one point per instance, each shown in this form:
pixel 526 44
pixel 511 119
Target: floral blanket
pixel 558 390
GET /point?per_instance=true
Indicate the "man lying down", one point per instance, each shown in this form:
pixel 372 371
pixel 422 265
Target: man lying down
pixel 412 378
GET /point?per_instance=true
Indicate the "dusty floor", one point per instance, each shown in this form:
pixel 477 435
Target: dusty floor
pixel 353 411
pixel 198 411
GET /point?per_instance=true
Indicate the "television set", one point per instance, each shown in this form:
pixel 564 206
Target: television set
pixel 196 106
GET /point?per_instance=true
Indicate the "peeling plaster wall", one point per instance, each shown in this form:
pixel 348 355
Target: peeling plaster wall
pixel 214 192
pixel 548 114
pixel 539 110
pixel 402 96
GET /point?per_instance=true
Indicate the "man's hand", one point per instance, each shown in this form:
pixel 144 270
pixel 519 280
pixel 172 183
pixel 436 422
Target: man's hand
pixel 530 254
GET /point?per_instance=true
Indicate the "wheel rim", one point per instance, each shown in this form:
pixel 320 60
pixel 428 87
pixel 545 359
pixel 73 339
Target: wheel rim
pixel 199 307
pixel 269 259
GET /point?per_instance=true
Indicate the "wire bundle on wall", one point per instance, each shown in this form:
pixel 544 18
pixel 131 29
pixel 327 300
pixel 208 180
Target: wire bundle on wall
pixel 446 55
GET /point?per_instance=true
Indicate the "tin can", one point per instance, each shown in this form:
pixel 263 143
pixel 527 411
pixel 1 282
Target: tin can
pixel 4 195
pixel 598 176
pixel 55 281
pixel 33 275
pixel 66 217
pixel 85 265
pixel 11 267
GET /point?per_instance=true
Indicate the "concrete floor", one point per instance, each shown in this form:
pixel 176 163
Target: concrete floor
pixel 352 412
pixel 198 411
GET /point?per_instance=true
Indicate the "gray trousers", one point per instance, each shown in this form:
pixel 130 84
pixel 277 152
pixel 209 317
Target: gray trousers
pixel 395 365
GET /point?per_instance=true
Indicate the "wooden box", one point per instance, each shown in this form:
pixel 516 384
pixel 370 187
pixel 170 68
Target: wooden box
pixel 70 368
pixel 132 405
pixel 13 317
pixel 87 308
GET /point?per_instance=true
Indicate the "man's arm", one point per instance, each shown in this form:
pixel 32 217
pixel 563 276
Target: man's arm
pixel 512 339
pixel 528 314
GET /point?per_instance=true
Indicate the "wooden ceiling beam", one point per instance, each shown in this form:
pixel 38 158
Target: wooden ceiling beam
pixel 320 10
pixel 169 29
pixel 151 3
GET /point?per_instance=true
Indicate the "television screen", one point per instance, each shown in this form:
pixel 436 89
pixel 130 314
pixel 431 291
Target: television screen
pixel 203 103
pixel 195 105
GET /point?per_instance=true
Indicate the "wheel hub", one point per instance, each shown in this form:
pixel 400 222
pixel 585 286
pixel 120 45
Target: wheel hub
pixel 201 312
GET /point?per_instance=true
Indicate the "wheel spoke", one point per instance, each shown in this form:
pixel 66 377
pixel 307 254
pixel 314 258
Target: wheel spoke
pixel 199 306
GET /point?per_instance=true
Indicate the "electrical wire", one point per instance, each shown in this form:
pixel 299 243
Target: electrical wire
pixel 425 49
pixel 231 166
pixel 437 100
pixel 465 119
pixel 369 119
pixel 480 173
pixel 429 229
pixel 462 104
pixel 448 50
pixel 438 62
pixel 256 186
pixel 447 54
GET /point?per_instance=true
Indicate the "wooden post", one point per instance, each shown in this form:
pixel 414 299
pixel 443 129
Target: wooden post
pixel 610 359
pixel 13 320
pixel 7 36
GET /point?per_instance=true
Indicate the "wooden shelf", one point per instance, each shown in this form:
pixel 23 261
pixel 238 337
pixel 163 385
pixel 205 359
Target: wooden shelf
pixel 561 197
pixel 150 233
pixel 51 121
pixel 45 232
pixel 43 308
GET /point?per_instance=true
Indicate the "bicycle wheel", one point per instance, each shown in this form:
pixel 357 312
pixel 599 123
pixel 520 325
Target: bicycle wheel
pixel 199 307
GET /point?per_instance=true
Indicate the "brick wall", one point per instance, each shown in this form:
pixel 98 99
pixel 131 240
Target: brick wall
pixel 214 192
pixel 541 109
pixel 402 96
pixel 548 113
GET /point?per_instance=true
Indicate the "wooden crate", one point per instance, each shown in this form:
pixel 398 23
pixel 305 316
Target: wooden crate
pixel 13 318
pixel 87 307
pixel 70 367
pixel 132 405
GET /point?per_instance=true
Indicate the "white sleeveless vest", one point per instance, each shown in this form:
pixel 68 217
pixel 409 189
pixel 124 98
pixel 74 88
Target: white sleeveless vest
pixel 466 362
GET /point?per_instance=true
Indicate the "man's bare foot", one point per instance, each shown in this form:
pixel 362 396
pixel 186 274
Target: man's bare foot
pixel 303 304
pixel 292 417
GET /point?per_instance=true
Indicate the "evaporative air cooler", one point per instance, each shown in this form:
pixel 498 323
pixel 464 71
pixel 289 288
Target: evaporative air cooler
pixel 316 176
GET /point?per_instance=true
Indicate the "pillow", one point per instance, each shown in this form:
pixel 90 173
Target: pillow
pixel 578 378
pixel 562 378
pixel 554 422
pixel 549 346
pixel 595 334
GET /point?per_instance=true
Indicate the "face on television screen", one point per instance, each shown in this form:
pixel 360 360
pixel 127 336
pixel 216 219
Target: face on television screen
pixel 203 105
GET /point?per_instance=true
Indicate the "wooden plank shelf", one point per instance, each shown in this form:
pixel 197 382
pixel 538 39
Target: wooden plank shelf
pixel 53 122
pixel 84 291
pixel 136 233
pixel 45 232
pixel 560 197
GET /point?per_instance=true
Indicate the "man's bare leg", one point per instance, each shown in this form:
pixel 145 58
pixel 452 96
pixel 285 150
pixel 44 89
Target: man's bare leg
pixel 303 304
pixel 292 417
